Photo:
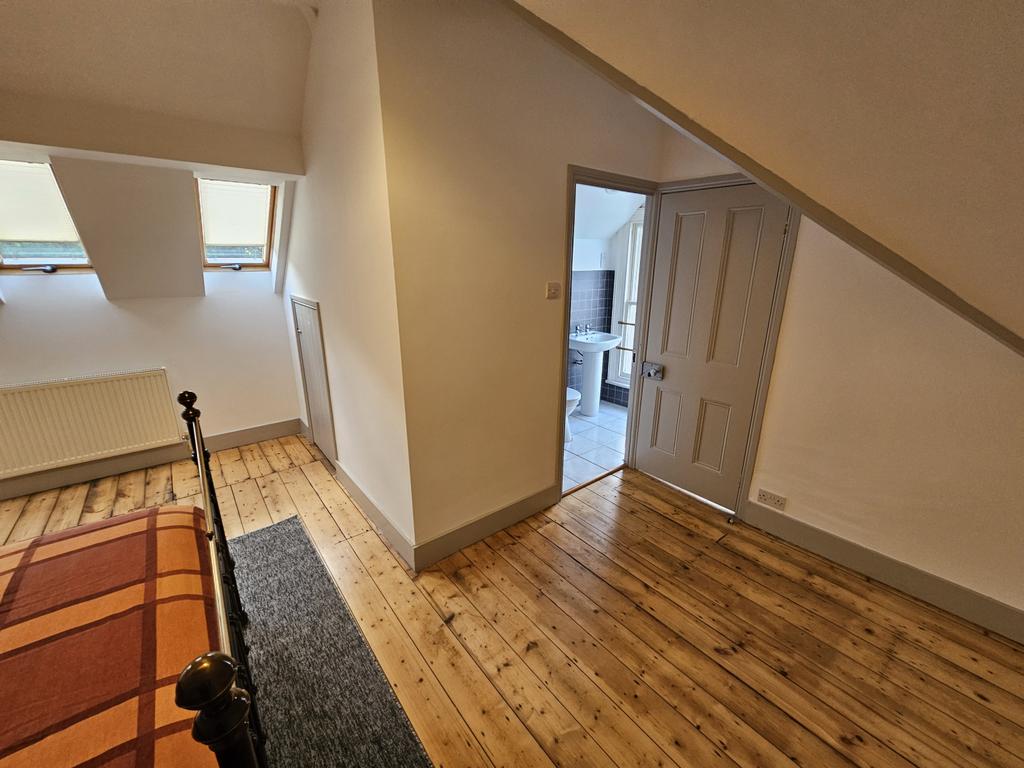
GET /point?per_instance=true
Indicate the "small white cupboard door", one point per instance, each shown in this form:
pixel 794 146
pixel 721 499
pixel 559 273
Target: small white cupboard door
pixel 717 258
pixel 314 374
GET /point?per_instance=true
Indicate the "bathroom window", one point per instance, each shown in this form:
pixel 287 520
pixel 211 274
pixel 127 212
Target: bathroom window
pixel 237 222
pixel 36 231
pixel 621 360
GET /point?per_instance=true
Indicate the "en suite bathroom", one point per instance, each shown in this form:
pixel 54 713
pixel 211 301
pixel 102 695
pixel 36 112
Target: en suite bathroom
pixel 607 245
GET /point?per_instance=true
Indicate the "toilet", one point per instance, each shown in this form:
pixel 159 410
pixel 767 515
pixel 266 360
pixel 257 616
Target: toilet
pixel 572 399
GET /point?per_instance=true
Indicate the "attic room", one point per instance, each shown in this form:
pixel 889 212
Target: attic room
pixel 290 295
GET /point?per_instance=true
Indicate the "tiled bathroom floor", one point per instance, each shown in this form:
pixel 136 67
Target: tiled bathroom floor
pixel 598 445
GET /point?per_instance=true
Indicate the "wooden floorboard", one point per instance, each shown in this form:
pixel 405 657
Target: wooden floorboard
pixel 627 625
pixel 99 503
pixel 131 492
pixel 505 739
pixel 10 511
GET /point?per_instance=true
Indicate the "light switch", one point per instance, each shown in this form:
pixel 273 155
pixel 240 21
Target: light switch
pixel 552 290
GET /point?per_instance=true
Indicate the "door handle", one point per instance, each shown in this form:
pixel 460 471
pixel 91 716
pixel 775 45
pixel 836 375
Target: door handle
pixel 653 371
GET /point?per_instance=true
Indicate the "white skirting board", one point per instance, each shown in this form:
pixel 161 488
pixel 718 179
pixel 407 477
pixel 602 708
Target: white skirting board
pixel 984 611
pixel 93 470
pixel 426 553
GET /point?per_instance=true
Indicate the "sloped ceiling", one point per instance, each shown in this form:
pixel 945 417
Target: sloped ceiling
pixel 900 120
pixel 215 81
pixel 600 213
pixel 139 225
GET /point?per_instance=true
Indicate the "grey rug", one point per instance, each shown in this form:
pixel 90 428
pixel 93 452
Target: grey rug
pixel 322 695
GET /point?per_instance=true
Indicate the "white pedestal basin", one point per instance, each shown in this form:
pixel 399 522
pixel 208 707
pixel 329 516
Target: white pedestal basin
pixel 592 346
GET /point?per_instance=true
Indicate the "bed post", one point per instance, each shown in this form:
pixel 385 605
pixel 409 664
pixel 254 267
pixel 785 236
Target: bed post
pixel 214 725
pixel 191 416
pixel 207 686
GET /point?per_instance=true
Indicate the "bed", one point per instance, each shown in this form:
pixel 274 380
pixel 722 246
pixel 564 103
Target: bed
pixel 96 626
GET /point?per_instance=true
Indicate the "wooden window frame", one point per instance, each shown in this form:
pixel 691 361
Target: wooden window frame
pixel 240 266
pixel 634 251
pixel 35 269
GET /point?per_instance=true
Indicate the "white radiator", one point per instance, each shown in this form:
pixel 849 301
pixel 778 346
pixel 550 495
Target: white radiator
pixel 52 424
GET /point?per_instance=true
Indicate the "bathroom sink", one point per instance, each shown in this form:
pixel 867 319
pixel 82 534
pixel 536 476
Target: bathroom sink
pixel 592 345
pixel 594 341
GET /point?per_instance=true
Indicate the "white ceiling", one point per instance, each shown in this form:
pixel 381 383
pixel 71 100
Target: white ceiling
pixel 600 213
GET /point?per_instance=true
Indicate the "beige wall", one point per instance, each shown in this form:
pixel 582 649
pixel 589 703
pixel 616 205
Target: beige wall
pixel 70 124
pixel 482 116
pixel 894 423
pixel 218 82
pixel 903 118
pixel 229 346
pixel 682 159
pixel 340 255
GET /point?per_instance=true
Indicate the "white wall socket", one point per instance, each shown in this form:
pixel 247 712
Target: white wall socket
pixel 771 499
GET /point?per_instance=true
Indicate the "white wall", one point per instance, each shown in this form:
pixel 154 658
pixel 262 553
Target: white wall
pixel 340 255
pixel 139 225
pixel 215 82
pixel 482 116
pixel 588 254
pixel 230 346
pixel 895 424
pixel 904 119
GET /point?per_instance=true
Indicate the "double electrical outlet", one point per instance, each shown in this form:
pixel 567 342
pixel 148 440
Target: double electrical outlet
pixel 773 500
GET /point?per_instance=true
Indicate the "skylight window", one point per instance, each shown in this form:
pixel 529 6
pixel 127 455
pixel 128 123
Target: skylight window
pixel 237 222
pixel 35 227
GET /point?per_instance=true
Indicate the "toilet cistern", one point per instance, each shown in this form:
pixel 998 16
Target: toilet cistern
pixel 592 345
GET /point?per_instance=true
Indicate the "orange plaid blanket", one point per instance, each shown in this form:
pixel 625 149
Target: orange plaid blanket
pixel 96 623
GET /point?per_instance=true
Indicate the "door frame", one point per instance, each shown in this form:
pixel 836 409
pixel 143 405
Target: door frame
pixel 315 306
pixel 591 176
pixel 780 291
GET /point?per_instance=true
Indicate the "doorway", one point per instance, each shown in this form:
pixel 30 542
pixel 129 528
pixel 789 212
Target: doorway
pixel 714 291
pixel 313 366
pixel 713 258
pixel 607 247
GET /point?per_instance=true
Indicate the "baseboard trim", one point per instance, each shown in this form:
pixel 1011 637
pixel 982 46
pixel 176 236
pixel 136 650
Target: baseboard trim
pixel 423 555
pixel 396 538
pixel 959 600
pixel 429 552
pixel 116 465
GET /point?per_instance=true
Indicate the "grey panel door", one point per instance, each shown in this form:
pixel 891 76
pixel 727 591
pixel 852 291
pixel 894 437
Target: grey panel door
pixel 310 342
pixel 717 258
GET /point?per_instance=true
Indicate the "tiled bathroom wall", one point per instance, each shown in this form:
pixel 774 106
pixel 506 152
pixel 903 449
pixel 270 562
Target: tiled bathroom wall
pixel 592 303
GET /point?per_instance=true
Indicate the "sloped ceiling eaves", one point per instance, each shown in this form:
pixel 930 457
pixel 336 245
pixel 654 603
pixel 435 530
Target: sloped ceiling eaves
pixel 904 203
pixel 139 225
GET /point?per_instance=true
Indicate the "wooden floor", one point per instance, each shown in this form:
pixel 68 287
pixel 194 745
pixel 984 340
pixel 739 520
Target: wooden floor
pixel 625 626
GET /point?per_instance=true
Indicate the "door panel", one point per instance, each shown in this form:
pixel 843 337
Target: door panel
pixel 688 237
pixel 314 375
pixel 716 262
pixel 668 407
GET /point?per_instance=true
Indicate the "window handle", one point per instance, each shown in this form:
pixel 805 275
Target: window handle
pixel 235 267
pixel 47 268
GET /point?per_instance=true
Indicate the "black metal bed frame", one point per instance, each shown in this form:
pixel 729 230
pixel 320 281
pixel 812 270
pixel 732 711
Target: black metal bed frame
pixel 218 685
